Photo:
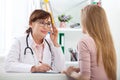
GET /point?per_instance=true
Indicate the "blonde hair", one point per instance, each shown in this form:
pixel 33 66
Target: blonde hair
pixel 94 20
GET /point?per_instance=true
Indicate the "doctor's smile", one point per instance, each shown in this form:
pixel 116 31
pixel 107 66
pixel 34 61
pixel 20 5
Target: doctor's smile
pixel 44 32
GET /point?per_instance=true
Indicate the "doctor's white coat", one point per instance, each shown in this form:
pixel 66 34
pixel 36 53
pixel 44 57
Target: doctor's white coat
pixel 16 61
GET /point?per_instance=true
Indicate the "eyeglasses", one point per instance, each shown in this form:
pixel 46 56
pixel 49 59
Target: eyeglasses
pixel 43 24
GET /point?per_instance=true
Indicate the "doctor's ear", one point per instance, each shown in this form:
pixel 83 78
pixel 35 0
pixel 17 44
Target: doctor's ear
pixel 31 24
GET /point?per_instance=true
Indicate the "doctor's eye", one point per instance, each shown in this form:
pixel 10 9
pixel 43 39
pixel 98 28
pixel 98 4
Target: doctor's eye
pixel 48 23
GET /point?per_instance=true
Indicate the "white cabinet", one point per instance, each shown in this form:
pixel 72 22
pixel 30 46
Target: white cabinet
pixel 68 38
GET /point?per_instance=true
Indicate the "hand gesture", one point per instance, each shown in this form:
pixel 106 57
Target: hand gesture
pixel 41 68
pixel 54 35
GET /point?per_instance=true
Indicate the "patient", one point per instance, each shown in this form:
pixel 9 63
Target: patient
pixel 97 56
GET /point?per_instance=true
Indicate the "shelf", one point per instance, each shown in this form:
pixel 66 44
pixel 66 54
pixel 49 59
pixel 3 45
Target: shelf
pixel 69 29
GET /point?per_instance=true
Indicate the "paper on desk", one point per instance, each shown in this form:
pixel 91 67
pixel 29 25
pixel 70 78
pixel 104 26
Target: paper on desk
pixel 50 72
pixel 54 72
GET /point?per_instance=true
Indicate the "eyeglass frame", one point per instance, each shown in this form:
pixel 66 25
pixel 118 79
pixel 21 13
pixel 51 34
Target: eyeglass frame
pixel 43 24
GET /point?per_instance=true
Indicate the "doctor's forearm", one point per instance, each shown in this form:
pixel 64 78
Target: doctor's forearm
pixel 60 62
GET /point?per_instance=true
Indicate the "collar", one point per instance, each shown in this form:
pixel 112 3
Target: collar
pixel 32 42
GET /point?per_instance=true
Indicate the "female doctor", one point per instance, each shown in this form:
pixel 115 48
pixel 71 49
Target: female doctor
pixel 33 52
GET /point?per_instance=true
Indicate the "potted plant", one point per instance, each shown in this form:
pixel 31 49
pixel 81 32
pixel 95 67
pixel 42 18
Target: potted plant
pixel 63 19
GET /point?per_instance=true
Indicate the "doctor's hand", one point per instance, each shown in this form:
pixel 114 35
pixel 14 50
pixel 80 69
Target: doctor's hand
pixel 40 68
pixel 54 36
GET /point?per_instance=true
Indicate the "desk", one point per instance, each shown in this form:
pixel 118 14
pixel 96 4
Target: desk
pixel 33 76
pixel 29 76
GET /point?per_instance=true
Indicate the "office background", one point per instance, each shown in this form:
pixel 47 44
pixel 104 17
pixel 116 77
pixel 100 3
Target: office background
pixel 14 17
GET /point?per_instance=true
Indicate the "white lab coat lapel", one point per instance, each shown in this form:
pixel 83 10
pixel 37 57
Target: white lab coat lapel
pixel 33 58
pixel 46 54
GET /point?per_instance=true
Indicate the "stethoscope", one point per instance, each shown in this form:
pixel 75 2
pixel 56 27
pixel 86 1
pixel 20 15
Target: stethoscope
pixel 52 56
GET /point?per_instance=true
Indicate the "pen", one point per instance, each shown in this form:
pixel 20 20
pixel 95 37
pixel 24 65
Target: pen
pixel 41 63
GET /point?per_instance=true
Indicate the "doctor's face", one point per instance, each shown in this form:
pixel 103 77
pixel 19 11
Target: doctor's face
pixel 41 27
